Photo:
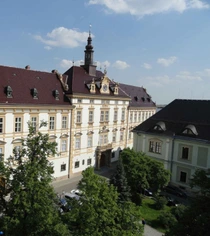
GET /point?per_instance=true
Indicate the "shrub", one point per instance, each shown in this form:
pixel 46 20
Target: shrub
pixel 137 199
pixel 160 202
pixel 167 219
pixel 178 211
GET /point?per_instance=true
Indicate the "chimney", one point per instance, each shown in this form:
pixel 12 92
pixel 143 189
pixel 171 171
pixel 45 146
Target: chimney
pixel 27 67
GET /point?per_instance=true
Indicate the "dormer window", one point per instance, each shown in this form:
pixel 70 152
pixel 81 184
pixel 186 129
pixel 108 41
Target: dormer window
pixel 136 98
pixel 9 92
pixel 56 94
pixel 93 87
pixel 190 129
pixel 34 93
pixel 143 99
pixel 160 126
pixel 116 90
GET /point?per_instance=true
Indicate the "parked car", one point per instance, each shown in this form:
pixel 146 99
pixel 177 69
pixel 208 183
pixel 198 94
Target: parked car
pixel 77 192
pixel 175 191
pixel 170 201
pixel 71 196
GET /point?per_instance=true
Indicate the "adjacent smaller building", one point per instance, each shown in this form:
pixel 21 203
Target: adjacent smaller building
pixel 178 135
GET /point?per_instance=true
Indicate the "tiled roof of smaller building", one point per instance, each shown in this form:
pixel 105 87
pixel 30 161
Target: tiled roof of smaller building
pixel 24 81
pixel 179 116
pixel 139 96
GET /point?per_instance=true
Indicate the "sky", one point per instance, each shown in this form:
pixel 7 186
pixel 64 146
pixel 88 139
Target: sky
pixel 162 45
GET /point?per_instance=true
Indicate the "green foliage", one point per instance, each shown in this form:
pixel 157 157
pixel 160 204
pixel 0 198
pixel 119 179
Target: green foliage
pixel 31 209
pixel 143 172
pixel 99 212
pixel 194 220
pixel 178 211
pixel 201 179
pixel 160 202
pixel 119 180
pixel 137 198
pixel 167 219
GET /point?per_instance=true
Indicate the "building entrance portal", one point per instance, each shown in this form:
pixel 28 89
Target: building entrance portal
pixel 103 156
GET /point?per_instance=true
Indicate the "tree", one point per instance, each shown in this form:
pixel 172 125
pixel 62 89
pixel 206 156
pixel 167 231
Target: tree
pixel 119 180
pixel 98 213
pixel 143 172
pixel 194 221
pixel 31 208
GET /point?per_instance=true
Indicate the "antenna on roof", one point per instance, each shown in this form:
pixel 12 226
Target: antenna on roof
pixel 73 62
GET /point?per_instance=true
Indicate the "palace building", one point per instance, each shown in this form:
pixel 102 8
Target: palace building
pixel 89 116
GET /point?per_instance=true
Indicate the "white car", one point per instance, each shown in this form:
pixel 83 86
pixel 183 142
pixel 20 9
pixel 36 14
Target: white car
pixel 77 192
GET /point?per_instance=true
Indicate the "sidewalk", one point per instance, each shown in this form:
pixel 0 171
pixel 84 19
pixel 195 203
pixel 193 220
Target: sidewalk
pixel 149 231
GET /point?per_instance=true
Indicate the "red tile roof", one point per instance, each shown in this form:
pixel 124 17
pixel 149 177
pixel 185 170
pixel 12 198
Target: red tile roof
pixel 22 81
pixel 139 96
pixel 78 79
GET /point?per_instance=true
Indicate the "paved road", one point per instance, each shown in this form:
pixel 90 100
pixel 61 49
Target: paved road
pixel 149 231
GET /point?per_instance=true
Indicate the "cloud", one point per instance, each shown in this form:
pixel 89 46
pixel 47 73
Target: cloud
pixel 63 37
pixel 68 63
pixel 47 47
pixel 121 65
pixel 103 64
pixel 166 62
pixel 186 75
pixel 141 8
pixel 147 66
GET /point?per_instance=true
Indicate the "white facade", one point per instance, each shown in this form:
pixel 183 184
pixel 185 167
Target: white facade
pixel 180 156
pixel 14 123
pixel 102 124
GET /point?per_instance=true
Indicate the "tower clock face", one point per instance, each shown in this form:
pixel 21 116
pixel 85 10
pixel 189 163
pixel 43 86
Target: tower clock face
pixel 105 87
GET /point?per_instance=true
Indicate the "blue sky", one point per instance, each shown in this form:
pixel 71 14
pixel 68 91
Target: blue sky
pixel 162 45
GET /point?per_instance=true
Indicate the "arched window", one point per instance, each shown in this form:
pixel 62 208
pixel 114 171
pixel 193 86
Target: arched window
pixel 190 129
pixel 160 126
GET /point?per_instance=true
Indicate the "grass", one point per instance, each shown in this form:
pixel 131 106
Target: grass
pixel 150 214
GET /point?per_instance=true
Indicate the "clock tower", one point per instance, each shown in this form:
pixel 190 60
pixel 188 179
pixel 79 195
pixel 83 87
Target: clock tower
pixel 89 66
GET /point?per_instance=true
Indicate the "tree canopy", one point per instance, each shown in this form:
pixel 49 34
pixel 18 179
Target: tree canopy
pixel 28 202
pixel 98 211
pixel 143 172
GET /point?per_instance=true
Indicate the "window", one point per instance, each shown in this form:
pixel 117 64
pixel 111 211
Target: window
pixel 183 177
pixel 91 101
pixel 116 102
pixel 79 100
pixel 185 153
pixel 89 161
pixel 123 115
pixel 103 139
pixel 64 122
pixel 90 141
pixel 143 116
pixel 79 117
pixel 83 162
pixel 130 135
pixel 139 117
pixel 1 153
pixel 63 145
pixel 77 142
pixel 114 135
pixel 52 122
pixel 34 122
pixel 155 147
pixel 104 101
pixel 63 167
pixel 115 115
pixel 104 116
pixel 76 165
pixel 91 116
pixel 121 135
pixel 113 154
pixel 1 125
pixel 131 117
pixel 135 117
pixel 18 124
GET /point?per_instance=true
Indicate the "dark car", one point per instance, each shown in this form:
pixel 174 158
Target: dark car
pixel 170 200
pixel 175 191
